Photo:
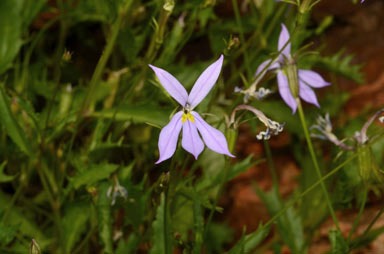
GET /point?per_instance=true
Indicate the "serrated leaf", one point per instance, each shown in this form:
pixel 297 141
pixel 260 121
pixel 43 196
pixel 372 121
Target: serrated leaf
pixel 93 174
pixel 341 64
pixel 162 240
pixel 11 125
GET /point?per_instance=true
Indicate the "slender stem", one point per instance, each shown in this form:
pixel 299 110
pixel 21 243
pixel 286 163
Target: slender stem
pixel 242 38
pixel 271 164
pixel 103 61
pixel 363 202
pixel 366 231
pixel 315 163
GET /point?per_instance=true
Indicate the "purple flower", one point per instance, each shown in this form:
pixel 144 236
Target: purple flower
pixel 307 79
pixel 187 119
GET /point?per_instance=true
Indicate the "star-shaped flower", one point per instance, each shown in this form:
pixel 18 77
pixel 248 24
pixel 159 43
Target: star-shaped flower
pixel 187 119
pixel 307 79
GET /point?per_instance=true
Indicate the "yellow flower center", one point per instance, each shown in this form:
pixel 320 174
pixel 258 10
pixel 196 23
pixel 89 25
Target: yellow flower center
pixel 187 116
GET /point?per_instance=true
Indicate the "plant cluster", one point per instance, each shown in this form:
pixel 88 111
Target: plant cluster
pixel 91 119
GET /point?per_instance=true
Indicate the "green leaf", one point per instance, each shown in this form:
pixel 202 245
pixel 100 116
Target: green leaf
pixel 162 240
pixel 18 217
pixel 93 174
pixel 250 241
pixel 340 63
pixel 289 224
pixel 10 31
pixel 3 177
pixel 10 124
pixel 7 234
pixel 149 114
pixel 104 218
pixel 129 246
pixel 75 223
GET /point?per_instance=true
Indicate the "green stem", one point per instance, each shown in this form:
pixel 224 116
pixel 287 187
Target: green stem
pixel 315 163
pixel 363 202
pixel 242 38
pixel 271 164
pixel 366 231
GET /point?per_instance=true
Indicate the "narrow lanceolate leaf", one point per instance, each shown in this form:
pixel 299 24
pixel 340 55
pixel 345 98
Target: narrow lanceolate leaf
pixel 249 242
pixel 161 226
pixel 289 224
pixel 10 31
pixel 10 124
pixel 75 223
pixel 93 174
pixel 104 218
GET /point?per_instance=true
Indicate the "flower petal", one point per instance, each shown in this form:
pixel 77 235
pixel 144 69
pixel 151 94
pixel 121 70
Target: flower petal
pixel 171 84
pixel 205 82
pixel 274 65
pixel 285 92
pixel 169 136
pixel 312 79
pixel 191 140
pixel 307 94
pixel 213 138
pixel 283 38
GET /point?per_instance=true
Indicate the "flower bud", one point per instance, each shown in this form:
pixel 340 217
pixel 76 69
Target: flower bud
pixel 368 169
pixel 34 248
pixel 168 5
pixel 231 135
pixel 293 81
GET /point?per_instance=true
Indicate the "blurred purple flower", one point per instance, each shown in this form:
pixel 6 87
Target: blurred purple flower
pixel 187 119
pixel 307 79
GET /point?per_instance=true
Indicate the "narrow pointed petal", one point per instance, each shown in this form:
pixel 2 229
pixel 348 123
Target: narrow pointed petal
pixel 213 138
pixel 191 140
pixel 283 38
pixel 171 85
pixel 205 82
pixel 274 65
pixel 169 136
pixel 312 79
pixel 307 94
pixel 285 92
